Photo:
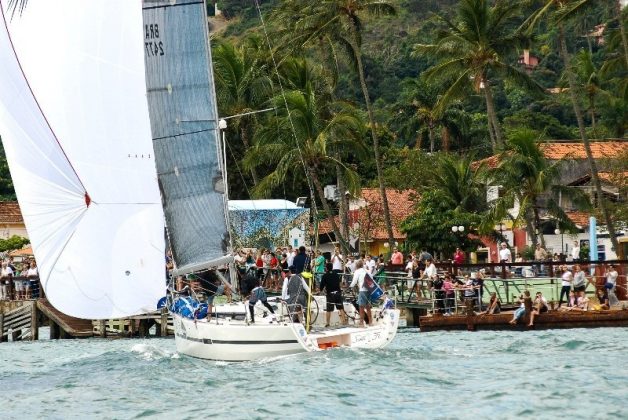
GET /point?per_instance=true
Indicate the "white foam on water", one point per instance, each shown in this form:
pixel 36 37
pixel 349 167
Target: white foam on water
pixel 150 352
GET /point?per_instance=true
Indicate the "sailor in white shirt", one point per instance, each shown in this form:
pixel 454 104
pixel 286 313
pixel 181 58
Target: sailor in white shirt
pixel 363 299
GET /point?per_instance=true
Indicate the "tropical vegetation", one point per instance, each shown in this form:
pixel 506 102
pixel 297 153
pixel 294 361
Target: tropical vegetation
pixel 408 94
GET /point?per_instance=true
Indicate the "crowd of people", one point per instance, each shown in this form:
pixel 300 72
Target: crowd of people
pixel 19 280
pixel 296 272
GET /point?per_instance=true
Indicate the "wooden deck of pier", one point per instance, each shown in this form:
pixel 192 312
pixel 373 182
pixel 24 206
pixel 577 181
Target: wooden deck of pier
pixel 63 326
pixel 20 320
pixel 548 320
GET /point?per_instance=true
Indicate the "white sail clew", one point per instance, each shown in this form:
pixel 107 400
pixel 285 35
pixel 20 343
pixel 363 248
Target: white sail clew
pixel 74 123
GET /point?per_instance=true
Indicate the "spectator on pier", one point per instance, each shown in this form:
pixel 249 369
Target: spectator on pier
pixel 459 257
pixel 6 275
pixel 567 280
pixel 540 254
pixel 575 251
pixel 32 276
pixel 611 284
pixel 450 294
pixel 370 265
pixel 478 283
pixel 439 294
pixel 319 266
pixel 504 253
pixel 302 261
pixel 494 305
pixel 397 257
pixel 579 281
pixel 424 255
pixel 520 312
pixel 337 260
pixel 602 297
pixel 539 306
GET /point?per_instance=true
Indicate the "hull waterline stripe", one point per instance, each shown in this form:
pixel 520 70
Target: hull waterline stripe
pixel 247 342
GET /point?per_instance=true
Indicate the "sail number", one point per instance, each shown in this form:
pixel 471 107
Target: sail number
pixel 152 44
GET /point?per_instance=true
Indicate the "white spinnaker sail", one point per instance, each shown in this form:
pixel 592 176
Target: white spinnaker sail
pixel 74 121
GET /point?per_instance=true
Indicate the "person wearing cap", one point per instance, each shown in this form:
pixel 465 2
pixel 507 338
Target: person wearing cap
pixel 294 292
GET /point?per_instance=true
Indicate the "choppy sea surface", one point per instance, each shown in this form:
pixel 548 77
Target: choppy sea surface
pixel 564 373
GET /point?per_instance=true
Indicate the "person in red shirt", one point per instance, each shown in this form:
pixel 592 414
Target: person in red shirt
pixel 459 256
pixel 397 257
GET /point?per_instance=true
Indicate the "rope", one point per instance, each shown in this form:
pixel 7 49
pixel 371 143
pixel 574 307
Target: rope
pixel 285 101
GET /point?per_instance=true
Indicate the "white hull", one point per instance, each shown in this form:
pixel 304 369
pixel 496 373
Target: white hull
pixel 235 340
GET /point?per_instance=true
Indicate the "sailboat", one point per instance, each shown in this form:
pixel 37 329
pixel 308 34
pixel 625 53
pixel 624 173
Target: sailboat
pixel 109 121
pixel 191 171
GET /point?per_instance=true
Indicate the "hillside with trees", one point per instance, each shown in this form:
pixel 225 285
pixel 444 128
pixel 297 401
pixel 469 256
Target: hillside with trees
pixel 404 93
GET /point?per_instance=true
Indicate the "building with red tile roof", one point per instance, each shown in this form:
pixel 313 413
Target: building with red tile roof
pixel 11 221
pixel 366 218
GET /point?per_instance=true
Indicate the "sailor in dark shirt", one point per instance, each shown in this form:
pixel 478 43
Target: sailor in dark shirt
pixel 331 284
pixel 301 261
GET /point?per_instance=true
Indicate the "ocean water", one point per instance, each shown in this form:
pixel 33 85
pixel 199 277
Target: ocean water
pixel 564 373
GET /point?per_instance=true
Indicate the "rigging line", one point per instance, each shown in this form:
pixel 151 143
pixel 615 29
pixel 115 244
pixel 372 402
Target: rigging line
pixel 19 63
pixel 184 134
pixel 248 113
pixel 285 101
pixel 239 170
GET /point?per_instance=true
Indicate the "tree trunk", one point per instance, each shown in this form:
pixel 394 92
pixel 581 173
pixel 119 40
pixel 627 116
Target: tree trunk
pixel 431 133
pixel 491 134
pixel 490 109
pixel 245 142
pixel 622 31
pixel 343 210
pixel 537 226
pixel 321 195
pixel 585 141
pixel 446 137
pixel 378 157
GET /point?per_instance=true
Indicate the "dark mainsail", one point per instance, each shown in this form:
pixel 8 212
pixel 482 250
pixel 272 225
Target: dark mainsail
pixel 184 124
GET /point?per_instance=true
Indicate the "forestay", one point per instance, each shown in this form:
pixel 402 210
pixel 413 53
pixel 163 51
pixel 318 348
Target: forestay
pixel 74 123
pixel 184 123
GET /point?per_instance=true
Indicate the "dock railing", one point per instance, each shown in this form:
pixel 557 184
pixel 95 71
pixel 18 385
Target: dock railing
pixel 507 280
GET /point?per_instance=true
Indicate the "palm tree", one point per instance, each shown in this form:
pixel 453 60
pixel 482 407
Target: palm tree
pixel 242 85
pixel 529 182
pixel 338 23
pixel 461 182
pixel 589 76
pixel 303 137
pixel 558 11
pixel 473 49
pixel 421 106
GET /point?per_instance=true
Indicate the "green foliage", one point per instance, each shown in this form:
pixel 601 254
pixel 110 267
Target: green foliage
pixel 430 224
pixel 14 242
pixel 528 253
pixel 7 193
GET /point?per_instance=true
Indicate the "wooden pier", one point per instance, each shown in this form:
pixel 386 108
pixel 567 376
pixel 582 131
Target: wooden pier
pixel 553 319
pixel 20 320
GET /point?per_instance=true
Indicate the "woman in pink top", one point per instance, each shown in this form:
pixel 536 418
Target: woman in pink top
pixel 450 294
